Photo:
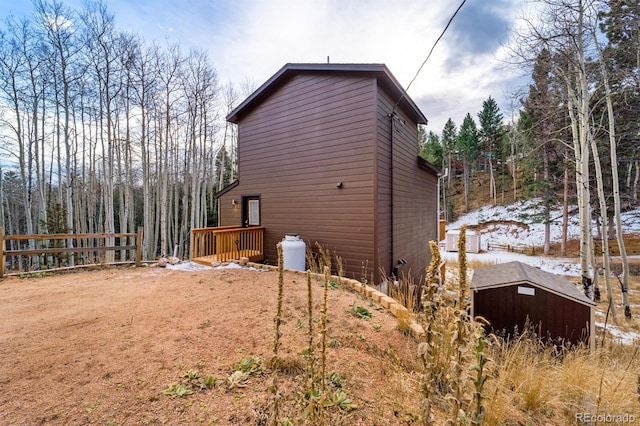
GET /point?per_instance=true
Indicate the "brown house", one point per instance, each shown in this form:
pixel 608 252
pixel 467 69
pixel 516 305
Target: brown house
pixel 330 151
pixel 510 295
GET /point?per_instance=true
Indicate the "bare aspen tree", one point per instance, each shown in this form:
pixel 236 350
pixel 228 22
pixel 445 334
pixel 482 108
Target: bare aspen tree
pixel 2 224
pixel 615 182
pixel 14 93
pixel 560 29
pixel 104 43
pixel 565 206
pixel 145 85
pixel 99 120
pixel 61 33
pixel 32 57
pixel 124 147
pixel 169 67
pixel 606 258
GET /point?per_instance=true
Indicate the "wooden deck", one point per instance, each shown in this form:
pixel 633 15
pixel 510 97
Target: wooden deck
pixel 222 244
pixel 252 255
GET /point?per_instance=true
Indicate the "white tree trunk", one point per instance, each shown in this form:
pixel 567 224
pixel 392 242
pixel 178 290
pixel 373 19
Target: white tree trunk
pixel 635 182
pixel 606 257
pixel 581 154
pixel 565 213
pixel 616 184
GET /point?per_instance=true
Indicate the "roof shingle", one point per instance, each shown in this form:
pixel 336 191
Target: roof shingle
pixel 505 274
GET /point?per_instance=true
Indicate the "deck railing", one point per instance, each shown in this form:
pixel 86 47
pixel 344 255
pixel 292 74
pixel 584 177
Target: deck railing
pixel 223 243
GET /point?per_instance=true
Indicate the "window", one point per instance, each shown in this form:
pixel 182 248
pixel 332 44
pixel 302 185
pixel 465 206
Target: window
pixel 251 210
pixel 254 212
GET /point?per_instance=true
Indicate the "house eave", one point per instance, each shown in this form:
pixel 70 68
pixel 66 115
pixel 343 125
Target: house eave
pixel 226 189
pixel 380 70
pixel 427 166
pixel 475 289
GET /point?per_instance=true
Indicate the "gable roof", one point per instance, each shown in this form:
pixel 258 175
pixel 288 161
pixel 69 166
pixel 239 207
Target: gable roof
pixel 385 79
pixel 505 274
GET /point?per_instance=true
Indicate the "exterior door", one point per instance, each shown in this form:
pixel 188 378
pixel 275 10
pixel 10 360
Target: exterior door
pixel 250 210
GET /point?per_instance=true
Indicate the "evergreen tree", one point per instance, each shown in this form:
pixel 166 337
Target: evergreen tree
pixel 621 24
pixel 468 146
pixel 491 134
pixel 432 149
pixel 544 114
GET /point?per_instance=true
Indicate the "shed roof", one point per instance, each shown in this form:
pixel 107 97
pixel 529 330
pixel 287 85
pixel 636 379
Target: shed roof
pixel 505 274
pixel 381 71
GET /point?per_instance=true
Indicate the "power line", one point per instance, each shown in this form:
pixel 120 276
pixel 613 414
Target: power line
pixel 434 46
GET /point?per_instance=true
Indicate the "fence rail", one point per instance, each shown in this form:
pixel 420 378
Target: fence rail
pixel 80 243
pixel 631 245
pixel 514 248
pixel 221 244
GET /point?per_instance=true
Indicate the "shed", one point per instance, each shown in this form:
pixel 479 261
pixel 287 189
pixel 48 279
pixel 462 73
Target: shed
pixel 509 295
pixel 472 239
pixel 330 152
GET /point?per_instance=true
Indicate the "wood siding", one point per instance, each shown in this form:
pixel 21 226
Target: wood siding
pixel 414 195
pixel 550 314
pixel 294 148
pixel 315 146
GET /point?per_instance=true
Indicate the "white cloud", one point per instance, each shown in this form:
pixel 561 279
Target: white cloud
pixel 262 36
pixel 249 40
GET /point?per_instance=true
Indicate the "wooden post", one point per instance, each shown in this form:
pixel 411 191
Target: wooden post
pixel 139 247
pixel 191 245
pixel 1 253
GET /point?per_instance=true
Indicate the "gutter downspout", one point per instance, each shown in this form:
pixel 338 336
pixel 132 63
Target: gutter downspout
pixel 391 129
pixel 446 173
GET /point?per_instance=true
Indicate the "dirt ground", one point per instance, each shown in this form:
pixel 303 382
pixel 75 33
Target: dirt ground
pixel 101 347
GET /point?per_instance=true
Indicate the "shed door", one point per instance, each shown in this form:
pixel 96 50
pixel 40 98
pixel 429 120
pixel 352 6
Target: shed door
pixel 250 210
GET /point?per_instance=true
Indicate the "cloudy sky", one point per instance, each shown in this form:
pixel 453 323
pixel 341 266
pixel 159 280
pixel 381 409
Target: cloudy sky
pixel 249 40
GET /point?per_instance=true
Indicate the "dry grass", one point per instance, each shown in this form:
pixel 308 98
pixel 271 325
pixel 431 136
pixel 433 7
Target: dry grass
pixel 407 292
pixel 404 318
pixel 534 383
pixel 529 383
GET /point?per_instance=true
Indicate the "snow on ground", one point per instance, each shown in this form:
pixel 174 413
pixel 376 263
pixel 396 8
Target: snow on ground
pixel 192 266
pixel 618 335
pixel 560 266
pixel 520 224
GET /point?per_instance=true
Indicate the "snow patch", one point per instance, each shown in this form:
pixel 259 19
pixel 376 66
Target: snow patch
pixel 188 266
pixel 618 335
pixel 520 224
pixel 192 266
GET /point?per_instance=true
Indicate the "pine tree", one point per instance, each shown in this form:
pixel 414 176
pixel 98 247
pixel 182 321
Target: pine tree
pixel 467 144
pixel 449 136
pixel 490 134
pixel 431 149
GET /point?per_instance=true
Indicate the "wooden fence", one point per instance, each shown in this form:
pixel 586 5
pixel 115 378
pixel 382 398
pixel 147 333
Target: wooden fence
pixel 34 246
pixel 631 245
pixel 514 248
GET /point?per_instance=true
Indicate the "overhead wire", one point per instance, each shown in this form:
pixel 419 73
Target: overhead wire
pixel 432 48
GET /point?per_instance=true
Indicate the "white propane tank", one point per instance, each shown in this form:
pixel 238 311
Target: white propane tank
pixel 293 252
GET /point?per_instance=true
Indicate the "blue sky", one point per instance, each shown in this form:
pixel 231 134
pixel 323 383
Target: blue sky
pixel 249 40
